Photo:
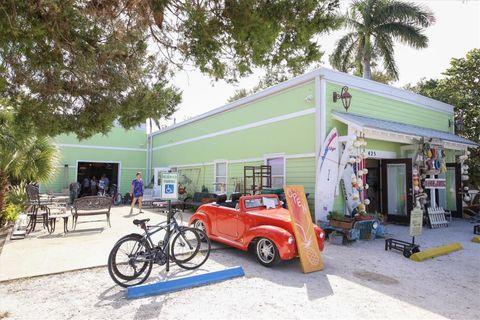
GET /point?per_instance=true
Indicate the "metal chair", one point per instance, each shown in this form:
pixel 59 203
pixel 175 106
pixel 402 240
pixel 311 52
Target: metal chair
pixel 36 206
pixel 44 207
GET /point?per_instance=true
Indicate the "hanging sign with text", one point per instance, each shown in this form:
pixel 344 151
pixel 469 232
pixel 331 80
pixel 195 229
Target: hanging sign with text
pixel 435 184
pixel 169 186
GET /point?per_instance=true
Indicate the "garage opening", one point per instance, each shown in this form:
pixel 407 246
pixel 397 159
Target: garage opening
pixel 97 169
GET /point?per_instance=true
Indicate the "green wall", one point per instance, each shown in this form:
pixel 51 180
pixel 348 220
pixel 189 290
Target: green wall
pixel 128 147
pixel 289 101
pixel 376 106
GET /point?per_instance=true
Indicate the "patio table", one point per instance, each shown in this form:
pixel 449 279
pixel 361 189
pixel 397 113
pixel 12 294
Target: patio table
pixel 57 213
pixel 60 199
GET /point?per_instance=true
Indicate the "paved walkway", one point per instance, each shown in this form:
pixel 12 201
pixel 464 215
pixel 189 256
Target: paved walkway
pixel 88 246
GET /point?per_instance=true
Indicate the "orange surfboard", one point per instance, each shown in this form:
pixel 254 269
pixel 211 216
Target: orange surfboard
pixel 307 246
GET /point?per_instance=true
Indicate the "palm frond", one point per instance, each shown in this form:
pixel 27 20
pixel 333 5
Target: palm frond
pixel 405 33
pixel 338 56
pixel 39 160
pixel 384 45
pixel 399 11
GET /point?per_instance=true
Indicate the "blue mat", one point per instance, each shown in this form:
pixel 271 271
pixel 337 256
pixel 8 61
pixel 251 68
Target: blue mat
pixel 183 283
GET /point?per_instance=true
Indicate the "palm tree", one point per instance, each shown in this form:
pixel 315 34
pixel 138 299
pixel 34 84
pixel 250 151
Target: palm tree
pixel 374 26
pixel 22 157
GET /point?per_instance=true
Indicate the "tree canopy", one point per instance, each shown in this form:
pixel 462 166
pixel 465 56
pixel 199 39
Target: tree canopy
pixel 373 26
pixel 460 88
pixel 77 66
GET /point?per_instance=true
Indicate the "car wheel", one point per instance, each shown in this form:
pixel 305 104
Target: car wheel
pixel 266 252
pixel 198 224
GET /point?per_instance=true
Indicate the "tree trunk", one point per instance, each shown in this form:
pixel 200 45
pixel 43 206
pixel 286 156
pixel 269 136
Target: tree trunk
pixel 367 53
pixel 3 196
pixel 367 70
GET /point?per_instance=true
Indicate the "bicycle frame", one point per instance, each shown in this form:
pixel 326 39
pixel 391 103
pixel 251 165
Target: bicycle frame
pixel 174 228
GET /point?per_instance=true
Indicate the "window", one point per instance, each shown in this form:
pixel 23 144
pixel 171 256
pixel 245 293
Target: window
pixel 278 171
pixel 220 184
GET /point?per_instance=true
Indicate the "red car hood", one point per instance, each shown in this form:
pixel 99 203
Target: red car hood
pixel 279 217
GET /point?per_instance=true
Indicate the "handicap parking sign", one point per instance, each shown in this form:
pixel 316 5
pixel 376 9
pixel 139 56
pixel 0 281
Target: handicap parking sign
pixel 169 186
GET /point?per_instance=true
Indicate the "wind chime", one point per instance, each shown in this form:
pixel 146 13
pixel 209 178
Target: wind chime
pixel 359 177
pixel 464 177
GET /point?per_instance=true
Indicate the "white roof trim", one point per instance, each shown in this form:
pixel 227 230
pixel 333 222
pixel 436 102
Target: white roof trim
pixel 393 136
pixel 333 76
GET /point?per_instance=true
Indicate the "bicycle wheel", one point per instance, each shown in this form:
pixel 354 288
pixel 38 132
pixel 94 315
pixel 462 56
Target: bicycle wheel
pixel 188 249
pixel 129 262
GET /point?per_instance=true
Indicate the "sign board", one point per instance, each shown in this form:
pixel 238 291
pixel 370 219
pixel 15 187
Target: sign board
pixel 416 222
pixel 380 154
pixel 435 184
pixel 306 240
pixel 169 189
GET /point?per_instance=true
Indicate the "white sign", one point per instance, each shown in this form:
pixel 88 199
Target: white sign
pixel 416 222
pixel 380 154
pixel 169 186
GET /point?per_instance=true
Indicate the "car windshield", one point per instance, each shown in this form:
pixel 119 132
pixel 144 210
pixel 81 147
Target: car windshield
pixel 261 202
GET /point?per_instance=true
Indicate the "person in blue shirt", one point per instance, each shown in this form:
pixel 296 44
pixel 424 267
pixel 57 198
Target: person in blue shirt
pixel 137 192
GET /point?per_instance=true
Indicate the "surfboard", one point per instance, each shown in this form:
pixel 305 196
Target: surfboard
pixel 347 179
pixel 327 174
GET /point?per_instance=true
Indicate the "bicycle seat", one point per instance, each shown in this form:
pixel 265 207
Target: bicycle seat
pixel 140 221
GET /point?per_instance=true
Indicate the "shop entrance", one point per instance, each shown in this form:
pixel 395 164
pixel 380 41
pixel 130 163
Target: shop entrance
pixel 397 189
pixel 450 198
pixel 97 169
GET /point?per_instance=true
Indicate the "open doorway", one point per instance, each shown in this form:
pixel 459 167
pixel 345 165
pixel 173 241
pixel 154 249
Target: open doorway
pixel 373 193
pixel 89 169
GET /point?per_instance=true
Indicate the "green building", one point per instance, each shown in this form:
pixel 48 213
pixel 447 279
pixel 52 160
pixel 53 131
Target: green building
pixel 285 126
pixel 119 155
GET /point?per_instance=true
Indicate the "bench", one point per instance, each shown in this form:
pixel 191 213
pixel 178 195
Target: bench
pixel 437 217
pixel 89 206
pixel 198 199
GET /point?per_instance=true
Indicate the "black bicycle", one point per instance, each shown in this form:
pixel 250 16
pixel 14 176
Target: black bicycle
pixel 131 260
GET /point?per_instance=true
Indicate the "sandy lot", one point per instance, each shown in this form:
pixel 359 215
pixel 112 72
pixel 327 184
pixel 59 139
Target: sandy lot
pixel 360 281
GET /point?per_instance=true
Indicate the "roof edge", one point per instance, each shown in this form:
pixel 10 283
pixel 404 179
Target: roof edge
pixel 330 75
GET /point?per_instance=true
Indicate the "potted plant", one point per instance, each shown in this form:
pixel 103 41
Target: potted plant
pixel 338 220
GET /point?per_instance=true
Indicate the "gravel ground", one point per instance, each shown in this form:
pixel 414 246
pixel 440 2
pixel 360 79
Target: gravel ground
pixel 360 281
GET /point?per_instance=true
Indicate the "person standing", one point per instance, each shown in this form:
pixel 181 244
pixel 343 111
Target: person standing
pixel 136 192
pixel 106 182
pixel 74 188
pixel 86 187
pixel 93 186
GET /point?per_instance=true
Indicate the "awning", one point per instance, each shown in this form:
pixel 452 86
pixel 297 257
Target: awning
pixel 400 132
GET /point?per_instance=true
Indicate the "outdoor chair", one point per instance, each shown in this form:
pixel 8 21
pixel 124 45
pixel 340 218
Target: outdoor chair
pixel 89 206
pixel 36 206
pixel 43 206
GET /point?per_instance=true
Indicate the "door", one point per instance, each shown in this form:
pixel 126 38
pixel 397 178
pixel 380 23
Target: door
pixel 227 220
pixel 451 197
pixel 397 192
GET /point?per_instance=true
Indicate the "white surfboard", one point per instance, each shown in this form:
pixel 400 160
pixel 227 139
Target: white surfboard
pixel 347 179
pixel 327 175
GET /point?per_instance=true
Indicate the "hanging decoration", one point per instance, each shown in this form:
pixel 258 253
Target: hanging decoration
pixel 359 177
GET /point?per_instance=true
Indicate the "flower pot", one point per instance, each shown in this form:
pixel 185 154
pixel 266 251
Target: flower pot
pixel 345 223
